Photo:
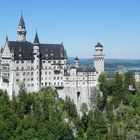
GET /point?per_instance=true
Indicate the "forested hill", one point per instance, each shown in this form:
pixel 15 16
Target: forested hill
pixel 43 116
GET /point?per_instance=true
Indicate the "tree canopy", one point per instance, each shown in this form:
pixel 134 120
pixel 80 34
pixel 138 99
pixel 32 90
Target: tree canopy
pixel 43 115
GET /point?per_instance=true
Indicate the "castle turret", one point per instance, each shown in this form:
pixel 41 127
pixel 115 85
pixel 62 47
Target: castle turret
pixel 21 30
pixel 37 63
pixel 76 62
pixel 99 58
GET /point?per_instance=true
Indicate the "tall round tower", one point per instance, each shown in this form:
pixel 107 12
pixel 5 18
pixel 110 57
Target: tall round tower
pixel 99 58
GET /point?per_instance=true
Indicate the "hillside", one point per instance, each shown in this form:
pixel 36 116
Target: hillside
pixel 43 116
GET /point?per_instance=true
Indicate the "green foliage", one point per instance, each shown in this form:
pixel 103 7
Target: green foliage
pixel 34 116
pixel 42 115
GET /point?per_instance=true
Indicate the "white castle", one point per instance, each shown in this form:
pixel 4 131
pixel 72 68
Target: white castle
pixel 36 65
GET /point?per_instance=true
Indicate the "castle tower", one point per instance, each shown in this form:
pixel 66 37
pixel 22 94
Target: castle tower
pixel 37 63
pixel 76 62
pixel 99 58
pixel 21 30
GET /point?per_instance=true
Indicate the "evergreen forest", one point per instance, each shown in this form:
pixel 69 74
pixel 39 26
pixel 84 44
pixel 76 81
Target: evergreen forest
pixel 44 116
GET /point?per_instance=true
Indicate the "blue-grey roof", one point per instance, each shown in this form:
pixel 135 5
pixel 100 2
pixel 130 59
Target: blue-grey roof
pixel 98 45
pixel 76 58
pixel 36 40
pixel 21 22
pixel 24 50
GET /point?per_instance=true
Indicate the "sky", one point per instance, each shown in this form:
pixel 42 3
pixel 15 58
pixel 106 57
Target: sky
pixel 79 24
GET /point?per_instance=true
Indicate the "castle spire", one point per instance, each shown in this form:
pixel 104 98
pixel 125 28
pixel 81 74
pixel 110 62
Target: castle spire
pixel 21 21
pixel 21 29
pixel 36 39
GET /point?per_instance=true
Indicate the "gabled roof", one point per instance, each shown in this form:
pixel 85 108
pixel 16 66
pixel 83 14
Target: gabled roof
pixel 24 50
pixel 21 50
pixel 52 51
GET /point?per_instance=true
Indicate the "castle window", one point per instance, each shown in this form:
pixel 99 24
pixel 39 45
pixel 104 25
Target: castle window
pixel 44 61
pixel 32 61
pixel 23 79
pixel 17 68
pixel 24 73
pixel 42 84
pixel 17 80
pixel 22 61
pixel 45 83
pixel 46 67
pixel 17 61
pixel 54 78
pixel 22 68
pixel 59 62
pixel 46 72
pixel 17 73
pixel 32 73
pixel 57 78
pixel 31 79
pixel 49 61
